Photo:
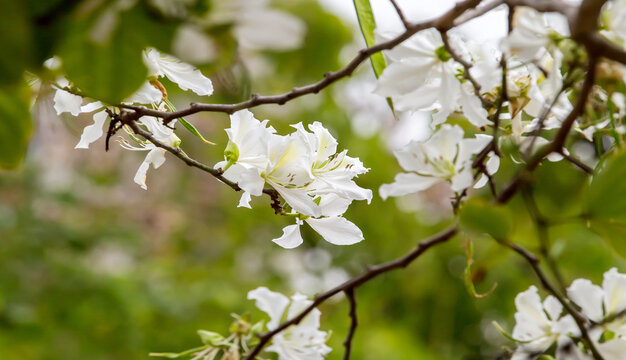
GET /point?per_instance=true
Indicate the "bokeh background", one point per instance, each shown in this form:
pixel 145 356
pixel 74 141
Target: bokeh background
pixel 94 267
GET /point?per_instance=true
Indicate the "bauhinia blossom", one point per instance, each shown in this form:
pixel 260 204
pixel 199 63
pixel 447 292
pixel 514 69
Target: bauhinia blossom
pixel 304 168
pixel 151 94
pixel 445 156
pixel 539 325
pixel 423 76
pixel 303 341
pixel 156 155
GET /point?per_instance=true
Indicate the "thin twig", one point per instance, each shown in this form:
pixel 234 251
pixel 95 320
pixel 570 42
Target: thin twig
pixel 577 162
pixel 400 13
pixel 557 143
pixel 372 272
pixel 541 223
pixel 443 22
pixel 466 69
pixel 353 323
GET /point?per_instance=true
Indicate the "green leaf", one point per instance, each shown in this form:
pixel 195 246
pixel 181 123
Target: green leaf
pixel 179 355
pixel 467 274
pixel 16 42
pixel 367 23
pixel 605 208
pixel 15 127
pixel 111 68
pixel 210 337
pixel 605 198
pixel 192 129
pixel 481 217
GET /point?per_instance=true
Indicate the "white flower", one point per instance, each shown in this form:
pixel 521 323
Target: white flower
pixel 423 76
pixel 258 27
pixel 531 36
pixel 539 325
pixel 445 156
pixel 598 303
pixel 304 168
pixel 303 341
pixel 156 155
pixel 184 75
pixel 247 153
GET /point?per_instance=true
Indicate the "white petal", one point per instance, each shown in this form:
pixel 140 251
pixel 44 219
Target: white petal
pixel 272 303
pixel 588 296
pixel 269 29
pixel 245 200
pixel 291 237
pixel 92 106
pixel 92 132
pixel 336 230
pixel 156 157
pixel 613 349
pixel 67 102
pixel 299 200
pixel 472 107
pixel 403 77
pixel 184 75
pixel 147 94
pixel 406 184
pixel 333 205
pixel 614 285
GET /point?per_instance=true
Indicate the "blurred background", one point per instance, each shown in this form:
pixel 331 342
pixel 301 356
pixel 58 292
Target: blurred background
pixel 94 267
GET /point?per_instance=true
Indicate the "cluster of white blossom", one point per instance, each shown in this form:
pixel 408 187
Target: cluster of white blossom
pixel 540 324
pixel 150 94
pixel 304 167
pixel 424 74
pixel 297 342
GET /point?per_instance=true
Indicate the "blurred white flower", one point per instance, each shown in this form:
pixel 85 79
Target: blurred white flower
pixel 599 303
pixel 445 156
pixel 184 75
pixel 156 155
pixel 303 341
pixel 259 27
pixel 539 325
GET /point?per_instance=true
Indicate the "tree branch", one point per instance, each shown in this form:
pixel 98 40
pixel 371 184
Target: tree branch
pixel 353 283
pixel 353 323
pixel 405 22
pixel 444 22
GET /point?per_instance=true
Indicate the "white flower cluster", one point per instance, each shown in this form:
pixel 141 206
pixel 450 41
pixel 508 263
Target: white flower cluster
pixel 304 167
pixel 539 325
pixel 297 342
pixel 424 74
pixel 184 75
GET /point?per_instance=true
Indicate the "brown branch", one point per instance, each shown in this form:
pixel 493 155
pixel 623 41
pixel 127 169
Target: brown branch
pixel 541 224
pixel 577 162
pixel 466 68
pixel 405 22
pixel 559 140
pixel 353 323
pixel 128 119
pixel 372 272
pixel 443 23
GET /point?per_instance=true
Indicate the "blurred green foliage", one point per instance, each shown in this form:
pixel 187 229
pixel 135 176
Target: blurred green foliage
pixel 93 267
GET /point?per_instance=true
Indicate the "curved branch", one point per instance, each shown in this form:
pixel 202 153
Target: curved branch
pixel 353 323
pixel 371 273
pixel 444 22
